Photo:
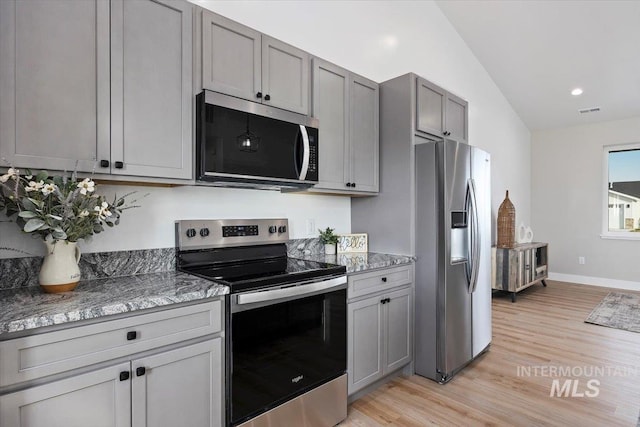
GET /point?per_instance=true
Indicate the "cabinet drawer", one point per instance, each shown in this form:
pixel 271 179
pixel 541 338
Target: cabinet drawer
pixel 379 280
pixel 29 358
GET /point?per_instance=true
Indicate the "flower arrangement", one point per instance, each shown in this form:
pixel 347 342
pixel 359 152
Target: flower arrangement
pixel 57 207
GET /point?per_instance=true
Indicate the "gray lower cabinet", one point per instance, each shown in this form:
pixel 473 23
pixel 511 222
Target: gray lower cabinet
pixel 440 113
pixel 240 61
pixel 97 84
pixel 346 106
pixel 159 369
pixel 380 332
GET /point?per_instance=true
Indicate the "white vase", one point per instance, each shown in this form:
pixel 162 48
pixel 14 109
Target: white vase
pixel 60 271
pixel 329 249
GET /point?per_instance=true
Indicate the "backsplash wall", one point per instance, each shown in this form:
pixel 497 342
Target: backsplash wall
pixel 152 224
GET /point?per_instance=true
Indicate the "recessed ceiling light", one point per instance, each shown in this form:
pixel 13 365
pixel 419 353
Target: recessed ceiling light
pixel 577 91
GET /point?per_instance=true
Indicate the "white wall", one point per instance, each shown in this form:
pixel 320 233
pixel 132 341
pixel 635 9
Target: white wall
pixel 152 224
pixel 567 197
pixel 359 36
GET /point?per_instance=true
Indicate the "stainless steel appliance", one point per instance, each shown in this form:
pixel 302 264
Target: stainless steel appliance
pixel 285 326
pixel 453 250
pixel 245 144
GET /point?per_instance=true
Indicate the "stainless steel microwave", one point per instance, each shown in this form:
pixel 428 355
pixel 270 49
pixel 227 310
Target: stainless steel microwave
pixel 245 144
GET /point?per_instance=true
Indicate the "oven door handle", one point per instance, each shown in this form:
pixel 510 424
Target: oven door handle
pixel 292 291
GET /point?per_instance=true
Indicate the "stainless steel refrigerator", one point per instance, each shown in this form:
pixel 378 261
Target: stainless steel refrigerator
pixel 453 257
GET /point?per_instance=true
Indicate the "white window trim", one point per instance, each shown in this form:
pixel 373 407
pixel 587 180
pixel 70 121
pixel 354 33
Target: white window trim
pixel 606 234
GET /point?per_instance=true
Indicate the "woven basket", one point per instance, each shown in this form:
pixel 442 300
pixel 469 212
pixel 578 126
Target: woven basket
pixel 506 224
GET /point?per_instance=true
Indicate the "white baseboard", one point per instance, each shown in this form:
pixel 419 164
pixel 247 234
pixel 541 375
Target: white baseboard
pixel 595 281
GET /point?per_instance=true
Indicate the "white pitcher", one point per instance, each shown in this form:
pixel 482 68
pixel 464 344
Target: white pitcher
pixel 60 271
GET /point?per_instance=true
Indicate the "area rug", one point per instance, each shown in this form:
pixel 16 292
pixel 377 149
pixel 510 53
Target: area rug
pixel 617 310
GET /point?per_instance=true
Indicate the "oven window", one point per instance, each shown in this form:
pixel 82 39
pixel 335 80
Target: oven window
pixel 282 350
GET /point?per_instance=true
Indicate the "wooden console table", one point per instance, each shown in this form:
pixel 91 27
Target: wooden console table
pixel 520 267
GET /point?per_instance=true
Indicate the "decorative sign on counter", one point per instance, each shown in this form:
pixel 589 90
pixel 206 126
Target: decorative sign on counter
pixel 352 243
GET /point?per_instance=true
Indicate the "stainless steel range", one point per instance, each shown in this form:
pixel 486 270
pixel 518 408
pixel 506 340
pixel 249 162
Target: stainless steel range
pixel 286 332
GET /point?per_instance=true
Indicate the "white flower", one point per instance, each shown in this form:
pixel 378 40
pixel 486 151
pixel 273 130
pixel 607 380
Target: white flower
pixel 84 213
pixel 34 186
pixel 11 173
pixel 86 186
pixel 48 189
pixel 103 210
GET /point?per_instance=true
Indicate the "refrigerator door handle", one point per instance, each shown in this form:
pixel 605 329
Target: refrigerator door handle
pixel 475 236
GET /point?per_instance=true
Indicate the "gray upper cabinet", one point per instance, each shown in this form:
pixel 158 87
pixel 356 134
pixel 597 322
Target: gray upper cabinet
pixel 346 106
pixel 364 110
pixel 106 85
pixel 151 88
pixel 231 57
pixel 239 61
pixel 440 113
pixel 54 83
pixel 331 108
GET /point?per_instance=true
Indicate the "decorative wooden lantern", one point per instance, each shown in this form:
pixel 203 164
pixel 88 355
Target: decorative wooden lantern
pixel 506 224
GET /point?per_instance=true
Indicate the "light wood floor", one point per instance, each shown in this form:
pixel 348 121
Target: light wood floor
pixel 544 327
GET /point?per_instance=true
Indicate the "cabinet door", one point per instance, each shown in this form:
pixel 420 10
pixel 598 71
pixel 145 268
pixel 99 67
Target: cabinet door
pixel 54 83
pixel 231 60
pixel 331 108
pixel 151 43
pixel 179 387
pixel 285 76
pixel 430 108
pixel 96 399
pixel 456 117
pixel 364 134
pixel 398 330
pixel 364 341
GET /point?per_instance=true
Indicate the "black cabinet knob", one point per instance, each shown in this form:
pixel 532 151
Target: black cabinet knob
pixel 132 335
pixel 348 184
pixel 353 184
pixel 282 229
pixel 204 232
pixel 384 279
pixel 124 375
pixel 140 371
pixel 388 300
pixel 382 301
pixel 119 165
pixel 259 95
pixel 191 232
pixel 272 229
pixel 267 97
pixel 104 163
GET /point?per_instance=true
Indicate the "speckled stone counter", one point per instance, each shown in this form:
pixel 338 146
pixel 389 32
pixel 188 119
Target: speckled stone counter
pixel 29 308
pixel 360 261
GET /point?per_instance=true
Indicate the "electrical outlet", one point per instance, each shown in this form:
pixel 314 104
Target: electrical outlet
pixel 581 260
pixel 311 227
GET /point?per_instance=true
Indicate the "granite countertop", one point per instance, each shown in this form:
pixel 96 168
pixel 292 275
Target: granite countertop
pixel 29 307
pixel 358 262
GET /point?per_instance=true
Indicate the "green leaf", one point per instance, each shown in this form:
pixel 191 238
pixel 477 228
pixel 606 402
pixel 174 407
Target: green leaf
pixel 33 225
pixel 42 175
pixel 28 172
pixel 28 204
pixel 56 217
pixel 59 235
pixel 27 214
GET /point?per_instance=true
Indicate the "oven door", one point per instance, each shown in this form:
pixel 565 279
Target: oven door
pixel 284 342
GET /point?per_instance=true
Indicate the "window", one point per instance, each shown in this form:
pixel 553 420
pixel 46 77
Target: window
pixel 621 218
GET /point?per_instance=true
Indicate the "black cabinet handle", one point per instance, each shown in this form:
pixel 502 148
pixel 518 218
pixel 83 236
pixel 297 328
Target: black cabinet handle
pixel 259 95
pixel 132 335
pixel 140 371
pixel 353 184
pixel 124 375
pixel 119 165
pixel 104 163
pixel 267 97
pixel 387 300
pixel 384 279
pixel 350 184
pixel 382 301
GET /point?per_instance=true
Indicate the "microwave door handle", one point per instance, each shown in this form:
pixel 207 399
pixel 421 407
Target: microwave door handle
pixel 305 153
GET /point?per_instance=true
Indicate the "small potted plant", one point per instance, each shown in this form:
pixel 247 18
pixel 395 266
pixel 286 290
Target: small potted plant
pixel 329 240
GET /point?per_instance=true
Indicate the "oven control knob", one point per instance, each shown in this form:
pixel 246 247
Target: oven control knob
pixel 204 232
pixel 191 232
pixel 282 229
pixel 272 229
